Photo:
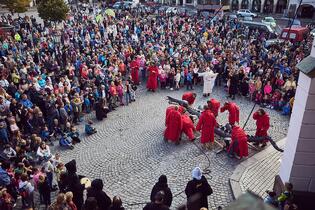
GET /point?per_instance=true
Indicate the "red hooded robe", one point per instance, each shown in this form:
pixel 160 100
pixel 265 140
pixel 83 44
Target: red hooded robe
pixel 206 124
pixel 234 112
pixel 134 66
pixel 215 106
pixel 239 134
pixel 189 97
pixel 188 127
pixel 262 124
pixel 173 125
pixel 152 80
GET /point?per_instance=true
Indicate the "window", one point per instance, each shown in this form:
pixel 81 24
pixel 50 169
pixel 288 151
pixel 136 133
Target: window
pixel 284 34
pixel 292 35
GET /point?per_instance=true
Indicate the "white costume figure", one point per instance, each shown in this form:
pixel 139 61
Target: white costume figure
pixel 208 80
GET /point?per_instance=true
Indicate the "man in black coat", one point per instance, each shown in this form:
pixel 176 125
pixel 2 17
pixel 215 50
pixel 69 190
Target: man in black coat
pixel 96 190
pixel 100 109
pixel 73 183
pixel 158 203
pixel 197 191
pixel 161 185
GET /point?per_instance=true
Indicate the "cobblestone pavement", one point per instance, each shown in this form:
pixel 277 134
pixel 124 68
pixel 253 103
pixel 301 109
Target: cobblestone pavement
pixel 129 154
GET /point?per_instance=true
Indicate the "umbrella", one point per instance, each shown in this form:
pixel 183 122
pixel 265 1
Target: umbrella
pixel 110 12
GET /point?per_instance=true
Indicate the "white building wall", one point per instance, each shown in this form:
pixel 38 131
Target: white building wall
pixel 298 162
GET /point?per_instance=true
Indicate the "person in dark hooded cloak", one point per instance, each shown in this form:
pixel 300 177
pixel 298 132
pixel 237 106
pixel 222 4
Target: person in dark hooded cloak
pixel 73 183
pixel 96 190
pixel 161 185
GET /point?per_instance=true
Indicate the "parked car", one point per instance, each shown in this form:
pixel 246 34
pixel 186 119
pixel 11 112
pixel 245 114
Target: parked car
pixel 190 12
pixel 205 14
pixel 273 42
pixel 294 22
pixel 247 19
pixel 162 8
pixel 313 32
pixel 181 11
pixel 129 4
pixel 261 27
pixel 246 13
pixel 296 34
pixel 172 10
pixel 118 5
pixel 269 21
pixel 233 17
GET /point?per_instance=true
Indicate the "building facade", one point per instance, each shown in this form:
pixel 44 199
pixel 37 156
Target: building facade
pixel 307 7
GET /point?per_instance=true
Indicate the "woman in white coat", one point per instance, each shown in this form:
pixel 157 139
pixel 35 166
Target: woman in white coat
pixel 208 81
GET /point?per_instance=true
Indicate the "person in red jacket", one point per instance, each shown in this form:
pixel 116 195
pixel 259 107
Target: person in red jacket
pixel 206 125
pixel 134 66
pixel 188 127
pixel 173 125
pixel 234 112
pixel 152 80
pixel 238 145
pixel 189 97
pixel 262 125
pixel 215 106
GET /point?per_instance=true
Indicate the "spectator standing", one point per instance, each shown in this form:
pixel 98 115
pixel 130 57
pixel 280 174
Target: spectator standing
pixel 117 204
pixel 96 191
pixel 158 203
pixel 197 190
pixel 161 185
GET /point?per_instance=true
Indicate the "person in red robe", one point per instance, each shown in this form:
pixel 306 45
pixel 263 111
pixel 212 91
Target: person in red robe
pixel 173 125
pixel 188 127
pixel 172 107
pixel 215 106
pixel 234 112
pixel 238 145
pixel 262 125
pixel 189 97
pixel 152 80
pixel 134 66
pixel 206 125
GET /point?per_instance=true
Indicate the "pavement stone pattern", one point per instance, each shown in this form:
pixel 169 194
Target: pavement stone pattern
pixel 260 176
pixel 128 151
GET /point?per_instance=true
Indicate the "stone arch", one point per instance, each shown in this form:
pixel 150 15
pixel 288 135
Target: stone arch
pixel 281 6
pixel 245 4
pixel 306 11
pixel 234 5
pixel 256 6
pixel 268 6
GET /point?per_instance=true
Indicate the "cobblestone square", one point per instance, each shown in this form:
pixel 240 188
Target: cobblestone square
pixel 129 154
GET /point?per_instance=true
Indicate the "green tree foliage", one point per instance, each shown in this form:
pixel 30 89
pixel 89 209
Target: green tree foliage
pixel 18 6
pixel 53 10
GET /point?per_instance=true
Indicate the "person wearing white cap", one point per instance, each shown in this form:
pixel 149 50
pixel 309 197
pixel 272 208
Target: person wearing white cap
pixel 197 190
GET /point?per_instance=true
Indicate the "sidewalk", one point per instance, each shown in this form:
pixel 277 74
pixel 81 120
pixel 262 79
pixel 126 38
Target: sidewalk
pixel 258 172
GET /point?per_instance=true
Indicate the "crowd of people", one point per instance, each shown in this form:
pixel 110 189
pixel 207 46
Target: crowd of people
pixel 52 75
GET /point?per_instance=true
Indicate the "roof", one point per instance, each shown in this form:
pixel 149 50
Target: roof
pixel 307 66
pixel 296 29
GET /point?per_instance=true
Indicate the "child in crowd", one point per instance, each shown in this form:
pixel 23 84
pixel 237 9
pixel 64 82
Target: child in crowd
pixel 66 141
pixel 89 130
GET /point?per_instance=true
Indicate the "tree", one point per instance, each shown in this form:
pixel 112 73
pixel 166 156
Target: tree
pixel 53 10
pixel 18 6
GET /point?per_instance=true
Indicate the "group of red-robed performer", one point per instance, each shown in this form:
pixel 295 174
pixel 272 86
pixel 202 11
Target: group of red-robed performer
pixel 177 121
